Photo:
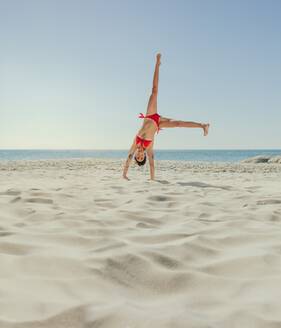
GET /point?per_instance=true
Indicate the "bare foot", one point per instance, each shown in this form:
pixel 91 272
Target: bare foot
pixel 158 56
pixel 206 128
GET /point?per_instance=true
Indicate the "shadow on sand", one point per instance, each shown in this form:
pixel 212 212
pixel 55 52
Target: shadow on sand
pixel 202 185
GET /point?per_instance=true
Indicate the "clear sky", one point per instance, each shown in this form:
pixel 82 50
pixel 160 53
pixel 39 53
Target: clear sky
pixel 76 74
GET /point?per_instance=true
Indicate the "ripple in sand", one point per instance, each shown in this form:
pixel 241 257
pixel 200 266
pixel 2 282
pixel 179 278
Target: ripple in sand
pixel 15 200
pixel 144 225
pixel 269 201
pixel 203 185
pixel 14 249
pixel 164 261
pixel 39 200
pixel 11 192
pixel 136 272
pixel 161 238
pixel 111 247
pixel 6 233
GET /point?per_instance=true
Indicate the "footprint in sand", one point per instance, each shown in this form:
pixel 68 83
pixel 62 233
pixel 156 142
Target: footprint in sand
pixel 163 181
pixel 160 198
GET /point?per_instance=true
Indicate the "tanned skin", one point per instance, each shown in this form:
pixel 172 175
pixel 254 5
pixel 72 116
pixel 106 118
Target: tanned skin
pixel 148 129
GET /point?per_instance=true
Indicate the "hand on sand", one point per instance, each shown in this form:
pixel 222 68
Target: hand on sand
pixel 206 128
pixel 158 57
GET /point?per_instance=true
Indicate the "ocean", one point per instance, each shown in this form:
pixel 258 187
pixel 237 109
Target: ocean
pixel 210 155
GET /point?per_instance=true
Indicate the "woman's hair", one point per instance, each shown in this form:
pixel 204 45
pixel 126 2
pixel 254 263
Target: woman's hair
pixel 142 162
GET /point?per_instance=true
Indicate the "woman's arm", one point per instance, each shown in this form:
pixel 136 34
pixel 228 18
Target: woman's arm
pixel 150 155
pixel 129 159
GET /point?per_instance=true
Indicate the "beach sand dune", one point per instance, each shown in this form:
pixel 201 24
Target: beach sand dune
pixel 81 247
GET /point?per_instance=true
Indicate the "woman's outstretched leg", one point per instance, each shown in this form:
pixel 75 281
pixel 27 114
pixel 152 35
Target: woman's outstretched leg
pixel 187 124
pixel 170 123
pixel 156 74
pixel 152 103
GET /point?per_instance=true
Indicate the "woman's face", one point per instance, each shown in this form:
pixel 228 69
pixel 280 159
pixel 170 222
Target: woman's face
pixel 140 154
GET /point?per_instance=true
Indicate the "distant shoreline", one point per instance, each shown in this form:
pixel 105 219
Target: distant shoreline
pixel 227 155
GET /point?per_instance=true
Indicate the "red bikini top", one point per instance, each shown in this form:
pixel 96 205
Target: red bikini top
pixel 143 142
pixel 155 117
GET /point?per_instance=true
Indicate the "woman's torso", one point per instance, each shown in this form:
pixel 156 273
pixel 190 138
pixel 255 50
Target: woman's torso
pixel 149 127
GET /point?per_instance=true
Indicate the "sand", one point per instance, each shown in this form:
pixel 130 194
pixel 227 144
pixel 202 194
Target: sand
pixel 82 247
